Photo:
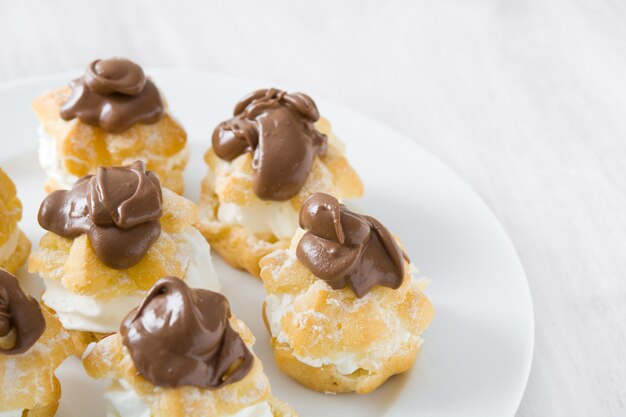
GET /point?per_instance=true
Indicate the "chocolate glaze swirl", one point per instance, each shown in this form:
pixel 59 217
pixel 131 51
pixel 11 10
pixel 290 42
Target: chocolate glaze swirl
pixel 118 208
pixel 114 94
pixel 19 312
pixel 348 249
pixel 5 316
pixel 181 336
pixel 279 128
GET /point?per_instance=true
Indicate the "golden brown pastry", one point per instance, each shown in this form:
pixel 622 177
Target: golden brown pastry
pixel 113 115
pixel 109 239
pixel 197 363
pixel 14 245
pixel 32 345
pixel 264 162
pixel 343 307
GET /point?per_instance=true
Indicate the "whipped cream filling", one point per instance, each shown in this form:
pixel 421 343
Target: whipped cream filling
pixel 8 247
pixel 85 313
pixel 201 271
pixel 51 162
pixel 276 217
pixel 261 409
pixel 123 401
pixel 13 413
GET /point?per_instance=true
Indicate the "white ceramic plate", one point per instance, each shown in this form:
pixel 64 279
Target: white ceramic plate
pixel 477 352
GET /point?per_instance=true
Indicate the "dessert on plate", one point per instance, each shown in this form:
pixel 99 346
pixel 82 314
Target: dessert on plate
pixel 343 307
pixel 110 238
pixel 32 346
pixel 182 354
pixel 264 161
pixel 14 245
pixel 111 116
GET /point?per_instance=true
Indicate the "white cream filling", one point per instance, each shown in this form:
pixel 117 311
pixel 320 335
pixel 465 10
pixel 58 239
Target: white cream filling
pixel 12 413
pixel 81 312
pixel 201 271
pixel 7 249
pixel 276 217
pixel 261 409
pixel 123 401
pixel 346 363
pixel 50 161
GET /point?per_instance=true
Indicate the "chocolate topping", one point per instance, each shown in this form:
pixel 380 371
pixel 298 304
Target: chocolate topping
pixel 5 317
pixel 18 312
pixel 118 208
pixel 181 336
pixel 280 129
pixel 114 94
pixel 348 249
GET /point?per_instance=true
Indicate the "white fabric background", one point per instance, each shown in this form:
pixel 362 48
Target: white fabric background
pixel 526 100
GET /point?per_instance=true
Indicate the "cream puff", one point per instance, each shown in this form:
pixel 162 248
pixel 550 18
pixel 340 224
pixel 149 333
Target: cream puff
pixel 110 238
pixel 32 346
pixel 182 354
pixel 343 307
pixel 111 116
pixel 263 163
pixel 14 245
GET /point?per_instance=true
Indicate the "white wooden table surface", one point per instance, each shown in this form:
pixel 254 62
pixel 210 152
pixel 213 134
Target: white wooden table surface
pixel 526 100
